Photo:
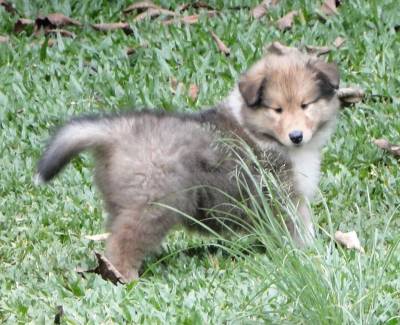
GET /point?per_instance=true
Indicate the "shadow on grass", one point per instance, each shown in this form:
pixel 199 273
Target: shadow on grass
pixel 218 248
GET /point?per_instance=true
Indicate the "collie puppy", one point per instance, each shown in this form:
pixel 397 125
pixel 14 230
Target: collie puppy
pixel 153 167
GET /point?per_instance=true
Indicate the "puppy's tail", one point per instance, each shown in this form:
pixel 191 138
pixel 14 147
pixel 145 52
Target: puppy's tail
pixel 74 137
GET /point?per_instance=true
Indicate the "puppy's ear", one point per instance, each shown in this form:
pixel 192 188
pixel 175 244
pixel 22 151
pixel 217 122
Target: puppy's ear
pixel 278 48
pixel 275 48
pixel 251 87
pixel 327 73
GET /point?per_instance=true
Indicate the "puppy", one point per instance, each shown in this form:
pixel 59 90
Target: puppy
pixel 152 168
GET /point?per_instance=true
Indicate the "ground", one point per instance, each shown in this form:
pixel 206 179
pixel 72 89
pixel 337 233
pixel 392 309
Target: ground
pixel 190 281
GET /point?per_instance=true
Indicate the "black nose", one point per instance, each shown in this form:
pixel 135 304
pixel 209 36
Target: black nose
pixel 296 136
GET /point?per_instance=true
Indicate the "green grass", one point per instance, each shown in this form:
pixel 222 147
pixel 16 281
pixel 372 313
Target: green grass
pixel 190 281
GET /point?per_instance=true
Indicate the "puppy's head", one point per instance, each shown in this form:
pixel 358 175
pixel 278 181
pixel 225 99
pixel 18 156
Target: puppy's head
pixel 289 96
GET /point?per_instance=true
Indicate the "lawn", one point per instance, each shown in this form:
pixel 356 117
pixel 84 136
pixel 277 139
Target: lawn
pixel 192 279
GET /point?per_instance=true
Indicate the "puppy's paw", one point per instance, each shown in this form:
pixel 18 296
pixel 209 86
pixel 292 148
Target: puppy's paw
pixel 304 238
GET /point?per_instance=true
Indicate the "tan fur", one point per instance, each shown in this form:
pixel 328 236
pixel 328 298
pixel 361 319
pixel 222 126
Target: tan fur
pixel 288 83
pixel 286 78
pixel 146 161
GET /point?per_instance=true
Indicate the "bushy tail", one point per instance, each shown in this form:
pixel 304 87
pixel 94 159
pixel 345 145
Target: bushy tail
pixel 73 138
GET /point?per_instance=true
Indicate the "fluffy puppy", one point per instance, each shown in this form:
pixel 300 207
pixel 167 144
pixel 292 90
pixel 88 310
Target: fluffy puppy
pixel 150 165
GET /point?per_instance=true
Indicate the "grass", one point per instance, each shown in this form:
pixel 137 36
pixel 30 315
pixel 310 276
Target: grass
pixel 194 279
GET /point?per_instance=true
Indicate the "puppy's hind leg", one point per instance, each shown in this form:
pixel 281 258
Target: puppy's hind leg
pixel 133 235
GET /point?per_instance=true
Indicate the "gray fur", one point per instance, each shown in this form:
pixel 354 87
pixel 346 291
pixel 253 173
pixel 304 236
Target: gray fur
pixel 146 161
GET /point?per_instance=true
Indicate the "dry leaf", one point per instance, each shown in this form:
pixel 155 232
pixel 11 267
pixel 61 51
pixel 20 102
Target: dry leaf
pixel 350 95
pixel 8 7
pixel 22 23
pixel 260 10
pixel 153 13
pixel 140 7
pixel 196 5
pixel 317 50
pixel 349 239
pixel 4 39
pixel 339 41
pixel 386 145
pixel 62 32
pixel 192 19
pixel 105 269
pixel 52 21
pixel 286 21
pixel 113 26
pixel 221 46
pixel 329 7
pixel 98 237
pixel 193 91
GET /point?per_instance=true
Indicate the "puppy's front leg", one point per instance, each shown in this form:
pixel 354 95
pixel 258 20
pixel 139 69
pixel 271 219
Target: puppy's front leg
pixel 302 230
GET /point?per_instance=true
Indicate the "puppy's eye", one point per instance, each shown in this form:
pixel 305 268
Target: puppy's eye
pixel 304 106
pixel 278 110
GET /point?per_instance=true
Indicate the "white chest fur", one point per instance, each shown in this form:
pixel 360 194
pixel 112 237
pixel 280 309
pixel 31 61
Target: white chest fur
pixel 306 169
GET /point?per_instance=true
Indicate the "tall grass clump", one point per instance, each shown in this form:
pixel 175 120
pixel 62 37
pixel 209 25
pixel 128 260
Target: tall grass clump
pixel 317 284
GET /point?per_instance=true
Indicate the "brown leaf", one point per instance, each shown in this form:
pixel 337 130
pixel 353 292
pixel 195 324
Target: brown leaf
pixel 105 269
pixel 386 145
pixel 192 19
pixel 62 32
pixel 261 9
pixel 193 91
pixel 286 21
pixel 153 13
pixel 4 39
pixel 106 27
pixel 318 50
pixel 221 46
pixel 350 95
pixel 22 23
pixel 52 21
pixel 196 5
pixel 339 41
pixel 349 239
pixel 98 237
pixel 140 7
pixel 329 8
pixel 8 7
